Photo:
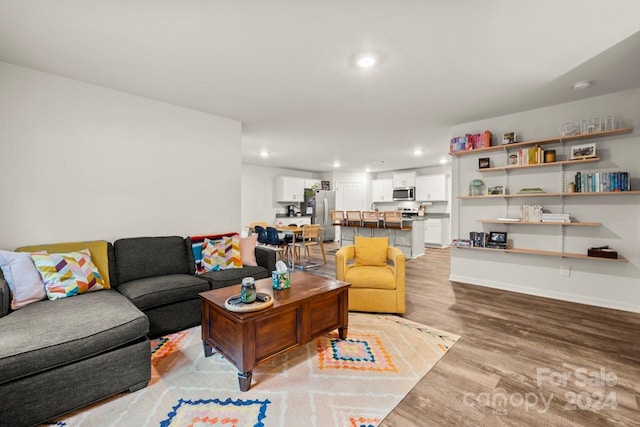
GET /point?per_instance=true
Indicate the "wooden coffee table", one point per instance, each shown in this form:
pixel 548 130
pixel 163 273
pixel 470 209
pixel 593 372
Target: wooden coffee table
pixel 313 306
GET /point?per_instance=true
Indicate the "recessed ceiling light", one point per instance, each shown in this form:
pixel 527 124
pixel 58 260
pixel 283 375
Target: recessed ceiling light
pixel 365 59
pixel 336 164
pixel 264 153
pixel 581 85
pixel 379 162
pixel 367 170
pixel 418 152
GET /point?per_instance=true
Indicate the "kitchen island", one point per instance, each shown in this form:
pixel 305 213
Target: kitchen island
pixel 408 236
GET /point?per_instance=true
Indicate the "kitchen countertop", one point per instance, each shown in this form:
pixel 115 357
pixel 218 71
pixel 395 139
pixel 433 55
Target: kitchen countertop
pixel 295 216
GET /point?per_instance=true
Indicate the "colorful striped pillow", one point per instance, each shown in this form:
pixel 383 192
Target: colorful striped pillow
pixel 210 259
pixel 68 274
pixel 229 252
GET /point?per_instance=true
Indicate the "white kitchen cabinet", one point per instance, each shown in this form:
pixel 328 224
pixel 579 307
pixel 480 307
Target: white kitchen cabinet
pixel 289 189
pixel 436 232
pixel 404 179
pixel 382 190
pixel 431 188
pixel 310 183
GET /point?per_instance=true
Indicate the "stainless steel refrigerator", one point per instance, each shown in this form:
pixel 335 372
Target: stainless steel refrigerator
pixel 320 205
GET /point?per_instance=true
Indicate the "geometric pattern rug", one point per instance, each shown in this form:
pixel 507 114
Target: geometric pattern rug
pixel 328 382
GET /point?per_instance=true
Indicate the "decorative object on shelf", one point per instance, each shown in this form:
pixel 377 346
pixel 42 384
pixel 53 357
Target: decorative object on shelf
pixel 509 138
pixel 476 187
pixel 583 151
pixel 513 159
pixel 325 185
pixel 549 156
pixel 571 188
pixel 609 124
pixel 602 252
pixel 495 190
pixel 569 128
pixel 478 239
pixel 591 125
pixel 531 213
pixel 484 163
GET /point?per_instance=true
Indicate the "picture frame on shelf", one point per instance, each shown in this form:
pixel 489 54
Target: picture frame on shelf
pixel 497 190
pixel 508 138
pixel 583 151
pixel 324 185
pixel 484 163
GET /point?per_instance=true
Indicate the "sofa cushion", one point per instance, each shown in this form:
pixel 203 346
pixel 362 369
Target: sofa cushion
pixel 210 256
pixel 223 278
pixel 100 253
pixel 248 250
pixel 142 257
pixel 68 274
pixel 48 334
pixel 22 277
pixel 157 291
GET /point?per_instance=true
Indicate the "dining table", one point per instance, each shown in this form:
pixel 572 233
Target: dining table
pixel 296 231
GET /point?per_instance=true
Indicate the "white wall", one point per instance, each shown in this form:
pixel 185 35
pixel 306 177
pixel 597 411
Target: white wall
pixel 258 192
pixel 81 162
pixel 608 284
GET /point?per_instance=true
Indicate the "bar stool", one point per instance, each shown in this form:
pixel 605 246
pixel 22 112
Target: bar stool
pixel 354 218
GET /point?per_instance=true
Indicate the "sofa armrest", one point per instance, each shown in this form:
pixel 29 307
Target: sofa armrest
pixel 5 296
pixel 343 255
pixel 266 258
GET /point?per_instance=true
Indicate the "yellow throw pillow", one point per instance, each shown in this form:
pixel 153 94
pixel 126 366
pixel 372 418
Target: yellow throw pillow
pixel 371 250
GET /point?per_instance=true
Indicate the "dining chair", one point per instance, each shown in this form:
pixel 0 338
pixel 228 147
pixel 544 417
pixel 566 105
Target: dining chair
pixel 311 237
pixel 262 234
pixel 273 239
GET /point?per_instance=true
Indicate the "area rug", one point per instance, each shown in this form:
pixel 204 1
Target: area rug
pixel 328 382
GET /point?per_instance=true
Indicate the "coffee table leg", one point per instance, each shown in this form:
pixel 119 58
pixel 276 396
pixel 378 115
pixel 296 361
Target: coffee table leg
pixel 208 350
pixel 342 332
pixel 244 380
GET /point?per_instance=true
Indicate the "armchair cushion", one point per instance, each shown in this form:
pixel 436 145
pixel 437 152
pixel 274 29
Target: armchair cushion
pixel 371 250
pixel 372 277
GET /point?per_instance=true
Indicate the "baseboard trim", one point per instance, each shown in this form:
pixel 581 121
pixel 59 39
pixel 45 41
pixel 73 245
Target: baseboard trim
pixel 563 296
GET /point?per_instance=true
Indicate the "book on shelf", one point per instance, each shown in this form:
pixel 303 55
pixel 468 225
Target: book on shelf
pixel 531 213
pixel 509 219
pixel 535 190
pixel 602 182
pixel 471 142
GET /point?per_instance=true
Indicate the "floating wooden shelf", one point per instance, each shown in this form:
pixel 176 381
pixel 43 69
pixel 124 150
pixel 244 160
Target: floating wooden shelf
pixel 508 196
pixel 547 253
pixel 538 165
pixel 578 224
pixel 554 140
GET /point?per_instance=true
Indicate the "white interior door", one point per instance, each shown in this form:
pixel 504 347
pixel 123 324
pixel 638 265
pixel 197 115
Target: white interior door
pixel 348 198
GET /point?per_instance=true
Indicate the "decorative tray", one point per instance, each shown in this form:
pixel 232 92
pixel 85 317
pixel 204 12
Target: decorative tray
pixel 234 303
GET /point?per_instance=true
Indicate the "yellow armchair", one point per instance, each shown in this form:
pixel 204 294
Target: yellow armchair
pixel 377 281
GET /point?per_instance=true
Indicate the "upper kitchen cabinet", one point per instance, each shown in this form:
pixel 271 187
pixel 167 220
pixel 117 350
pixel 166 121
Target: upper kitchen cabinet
pixel 289 189
pixel 312 183
pixel 404 179
pixel 382 190
pixel 431 188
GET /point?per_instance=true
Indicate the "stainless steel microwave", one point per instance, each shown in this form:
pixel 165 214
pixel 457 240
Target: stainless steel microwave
pixel 404 193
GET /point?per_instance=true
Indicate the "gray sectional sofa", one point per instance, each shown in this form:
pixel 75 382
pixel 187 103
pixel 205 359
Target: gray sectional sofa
pixel 57 356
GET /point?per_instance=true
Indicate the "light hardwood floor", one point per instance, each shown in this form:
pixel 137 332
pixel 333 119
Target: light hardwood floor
pixel 506 339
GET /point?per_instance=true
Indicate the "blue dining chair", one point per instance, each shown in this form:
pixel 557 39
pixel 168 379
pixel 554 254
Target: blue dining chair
pixel 262 234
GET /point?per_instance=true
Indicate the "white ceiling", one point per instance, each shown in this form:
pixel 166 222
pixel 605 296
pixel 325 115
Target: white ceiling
pixel 283 67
